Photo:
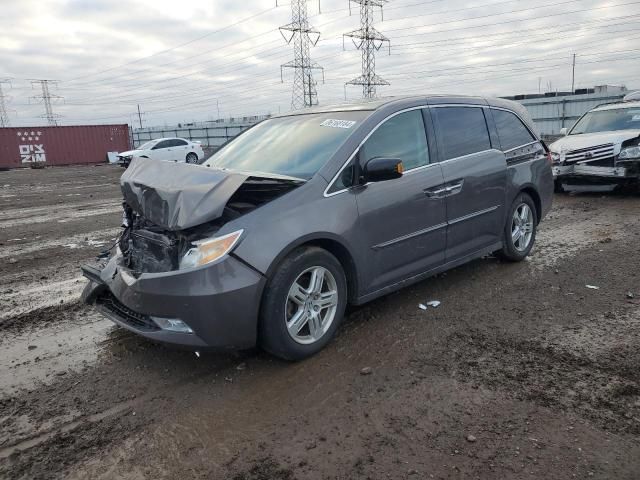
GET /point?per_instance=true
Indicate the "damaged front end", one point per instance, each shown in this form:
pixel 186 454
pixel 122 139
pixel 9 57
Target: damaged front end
pixel 165 225
pixel 172 218
pixel 600 164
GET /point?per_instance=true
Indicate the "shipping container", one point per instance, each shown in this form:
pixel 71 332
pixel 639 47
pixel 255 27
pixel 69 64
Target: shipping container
pixel 77 145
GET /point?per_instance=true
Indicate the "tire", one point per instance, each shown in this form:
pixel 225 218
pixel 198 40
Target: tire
pixel 517 248
pixel 293 279
pixel 192 158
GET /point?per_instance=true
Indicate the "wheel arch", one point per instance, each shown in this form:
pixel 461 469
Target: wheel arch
pixel 535 196
pixel 333 245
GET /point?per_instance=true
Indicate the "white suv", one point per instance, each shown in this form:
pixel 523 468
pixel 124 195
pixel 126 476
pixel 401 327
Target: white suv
pixel 603 147
pixel 170 149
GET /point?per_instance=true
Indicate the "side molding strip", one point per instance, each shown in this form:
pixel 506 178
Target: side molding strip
pixel 434 228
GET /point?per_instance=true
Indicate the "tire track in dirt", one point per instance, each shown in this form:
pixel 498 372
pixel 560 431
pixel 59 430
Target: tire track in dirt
pixel 96 238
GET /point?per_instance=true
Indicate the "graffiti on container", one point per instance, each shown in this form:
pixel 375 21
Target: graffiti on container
pixel 32 151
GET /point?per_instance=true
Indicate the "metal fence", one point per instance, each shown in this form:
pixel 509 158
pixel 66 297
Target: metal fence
pixel 211 134
pixel 553 111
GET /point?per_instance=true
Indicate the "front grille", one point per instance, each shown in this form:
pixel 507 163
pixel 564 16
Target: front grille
pixel 601 155
pixel 125 314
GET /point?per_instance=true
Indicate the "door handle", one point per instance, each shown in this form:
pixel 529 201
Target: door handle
pixel 444 190
pixel 454 188
pixel 435 192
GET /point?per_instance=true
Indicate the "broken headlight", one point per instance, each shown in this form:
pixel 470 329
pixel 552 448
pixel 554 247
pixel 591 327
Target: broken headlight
pixel 629 153
pixel 555 158
pixel 209 250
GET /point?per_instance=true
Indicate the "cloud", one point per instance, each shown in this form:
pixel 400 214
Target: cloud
pixel 181 60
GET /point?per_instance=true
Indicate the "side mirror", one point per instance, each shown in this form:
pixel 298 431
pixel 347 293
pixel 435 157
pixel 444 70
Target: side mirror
pixel 379 169
pixel 564 131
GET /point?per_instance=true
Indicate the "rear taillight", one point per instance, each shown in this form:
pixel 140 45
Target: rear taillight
pixel 549 158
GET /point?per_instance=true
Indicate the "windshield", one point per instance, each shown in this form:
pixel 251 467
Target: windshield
pixel 608 121
pixel 148 145
pixel 296 146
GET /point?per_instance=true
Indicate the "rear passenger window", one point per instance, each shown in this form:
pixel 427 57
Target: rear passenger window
pixel 511 130
pixel 402 137
pixel 461 131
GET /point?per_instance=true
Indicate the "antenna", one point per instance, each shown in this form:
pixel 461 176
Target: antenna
pixel 369 41
pixel 303 36
pixel 46 99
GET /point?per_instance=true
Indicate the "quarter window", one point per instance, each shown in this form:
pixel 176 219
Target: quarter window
pixel 402 137
pixel 511 130
pixel 461 131
pixel 179 143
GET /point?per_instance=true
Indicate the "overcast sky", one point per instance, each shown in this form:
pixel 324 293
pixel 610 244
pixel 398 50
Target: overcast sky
pixel 182 61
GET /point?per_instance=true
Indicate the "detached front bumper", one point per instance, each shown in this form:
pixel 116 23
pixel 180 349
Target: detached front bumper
pixel 578 171
pixel 219 302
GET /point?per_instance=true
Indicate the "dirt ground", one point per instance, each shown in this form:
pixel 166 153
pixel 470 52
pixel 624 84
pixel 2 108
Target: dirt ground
pixel 522 372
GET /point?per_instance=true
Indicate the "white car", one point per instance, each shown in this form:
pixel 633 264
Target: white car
pixel 603 147
pixel 169 149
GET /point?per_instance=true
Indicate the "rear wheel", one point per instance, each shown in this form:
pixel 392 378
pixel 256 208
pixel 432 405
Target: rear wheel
pixel 303 305
pixel 192 158
pixel 520 229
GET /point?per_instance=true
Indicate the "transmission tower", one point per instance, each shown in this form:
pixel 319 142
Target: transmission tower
pixel 46 99
pixel 369 41
pixel 303 36
pixel 4 116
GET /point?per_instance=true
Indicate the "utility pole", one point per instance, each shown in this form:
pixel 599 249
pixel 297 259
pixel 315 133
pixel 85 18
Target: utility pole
pixel 573 75
pixel 4 116
pixel 139 116
pixel 303 36
pixel 369 41
pixel 46 97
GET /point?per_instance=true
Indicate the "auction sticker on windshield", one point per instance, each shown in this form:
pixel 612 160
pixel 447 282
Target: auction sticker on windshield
pixel 338 123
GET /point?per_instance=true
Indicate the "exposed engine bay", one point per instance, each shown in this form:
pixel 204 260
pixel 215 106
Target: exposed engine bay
pixel 156 244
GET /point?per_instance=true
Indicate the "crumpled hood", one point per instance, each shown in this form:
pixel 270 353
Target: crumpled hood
pixel 176 196
pixel 585 140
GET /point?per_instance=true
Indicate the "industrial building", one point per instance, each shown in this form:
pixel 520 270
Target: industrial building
pixel 555 110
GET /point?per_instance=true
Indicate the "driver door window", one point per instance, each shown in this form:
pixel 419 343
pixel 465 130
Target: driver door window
pixel 402 136
pixel 160 151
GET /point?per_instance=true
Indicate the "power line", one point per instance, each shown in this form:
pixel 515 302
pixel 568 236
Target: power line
pixel 303 36
pixel 175 47
pixel 46 98
pixel 4 116
pixel 370 41
pixel 162 97
pixel 505 22
pixel 251 56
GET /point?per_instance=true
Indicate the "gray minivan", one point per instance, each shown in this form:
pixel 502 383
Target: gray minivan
pixel 267 241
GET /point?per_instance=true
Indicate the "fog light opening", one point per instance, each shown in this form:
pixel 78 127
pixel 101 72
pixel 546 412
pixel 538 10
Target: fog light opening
pixel 172 325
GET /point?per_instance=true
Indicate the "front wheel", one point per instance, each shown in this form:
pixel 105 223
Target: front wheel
pixel 303 305
pixel 520 229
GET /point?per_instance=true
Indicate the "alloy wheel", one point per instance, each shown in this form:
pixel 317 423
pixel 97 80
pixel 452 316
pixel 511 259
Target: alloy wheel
pixel 522 227
pixel 311 305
